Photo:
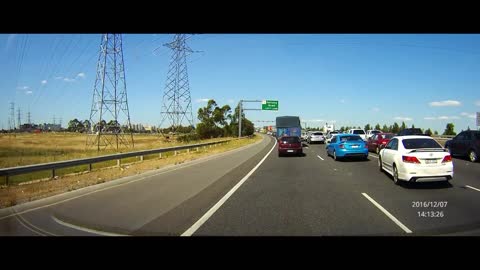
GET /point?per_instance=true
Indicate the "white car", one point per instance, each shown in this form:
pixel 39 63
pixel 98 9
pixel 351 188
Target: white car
pixel 371 132
pixel 316 137
pixel 359 132
pixel 415 159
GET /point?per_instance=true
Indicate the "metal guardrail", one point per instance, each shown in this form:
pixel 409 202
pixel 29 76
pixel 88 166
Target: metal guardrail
pixel 89 161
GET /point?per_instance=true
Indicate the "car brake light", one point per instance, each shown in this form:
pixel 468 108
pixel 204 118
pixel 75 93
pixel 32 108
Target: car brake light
pixel 366 146
pixel 409 159
pixel 384 142
pixel 447 158
pixel 341 146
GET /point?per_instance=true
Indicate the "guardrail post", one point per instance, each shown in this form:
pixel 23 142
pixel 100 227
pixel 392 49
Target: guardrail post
pixel 188 151
pixel 175 153
pixel 197 149
pixel 90 167
pixel 118 162
pixel 53 173
pixel 6 180
pixel 160 155
pixel 141 158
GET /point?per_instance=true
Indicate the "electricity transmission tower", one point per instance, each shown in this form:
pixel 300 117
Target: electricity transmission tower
pixel 18 118
pixel 176 103
pixel 109 103
pixel 29 120
pixel 12 116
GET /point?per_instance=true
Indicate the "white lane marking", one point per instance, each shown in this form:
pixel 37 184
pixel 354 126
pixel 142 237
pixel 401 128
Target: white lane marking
pixel 42 232
pixel 208 158
pixel 76 227
pixel 407 230
pixel 372 155
pixel 30 229
pixel 472 188
pixel 320 157
pixel 306 147
pixel 214 208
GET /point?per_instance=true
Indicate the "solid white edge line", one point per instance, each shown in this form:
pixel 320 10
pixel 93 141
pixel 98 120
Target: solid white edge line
pixel 79 228
pixel 192 163
pixel 214 208
pixel 472 188
pixel 320 157
pixel 407 230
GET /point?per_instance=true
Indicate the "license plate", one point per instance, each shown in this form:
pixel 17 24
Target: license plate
pixel 290 151
pixel 354 146
pixel 430 161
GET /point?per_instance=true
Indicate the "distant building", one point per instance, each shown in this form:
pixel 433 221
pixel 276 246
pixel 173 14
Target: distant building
pixel 327 127
pixel 50 127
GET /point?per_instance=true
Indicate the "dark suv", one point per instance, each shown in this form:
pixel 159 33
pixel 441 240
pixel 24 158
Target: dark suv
pixel 410 131
pixel 467 143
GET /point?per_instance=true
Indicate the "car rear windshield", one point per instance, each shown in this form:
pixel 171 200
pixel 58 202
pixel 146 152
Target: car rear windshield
pixel 413 131
pixel 290 139
pixel 317 133
pixel 387 136
pixel 350 138
pixel 376 132
pixel 358 131
pixel 420 143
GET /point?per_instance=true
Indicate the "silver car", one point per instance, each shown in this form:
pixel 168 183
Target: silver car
pixel 316 137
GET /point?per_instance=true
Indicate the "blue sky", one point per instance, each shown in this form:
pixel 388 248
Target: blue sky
pixel 425 80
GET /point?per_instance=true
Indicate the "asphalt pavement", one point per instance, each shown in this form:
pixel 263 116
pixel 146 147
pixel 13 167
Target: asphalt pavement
pixel 253 192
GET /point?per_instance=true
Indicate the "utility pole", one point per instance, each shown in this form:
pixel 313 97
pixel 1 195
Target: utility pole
pixel 240 119
pixel 29 120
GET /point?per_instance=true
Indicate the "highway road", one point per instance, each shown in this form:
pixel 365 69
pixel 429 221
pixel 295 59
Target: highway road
pixel 253 192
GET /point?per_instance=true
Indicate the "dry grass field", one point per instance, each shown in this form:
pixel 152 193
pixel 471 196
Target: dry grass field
pixel 54 147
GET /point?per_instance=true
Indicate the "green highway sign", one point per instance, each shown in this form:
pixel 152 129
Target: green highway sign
pixel 270 105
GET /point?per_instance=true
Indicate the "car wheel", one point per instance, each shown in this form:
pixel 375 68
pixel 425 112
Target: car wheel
pixel 472 156
pixel 395 175
pixel 380 164
pixel 377 150
pixel 279 154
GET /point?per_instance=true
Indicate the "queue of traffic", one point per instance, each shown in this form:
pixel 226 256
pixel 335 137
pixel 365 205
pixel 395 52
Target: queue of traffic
pixel 408 155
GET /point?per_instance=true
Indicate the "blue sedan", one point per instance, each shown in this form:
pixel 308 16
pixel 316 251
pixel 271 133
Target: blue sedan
pixel 347 145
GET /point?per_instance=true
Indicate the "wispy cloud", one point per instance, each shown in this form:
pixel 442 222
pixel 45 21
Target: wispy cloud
pixel 375 109
pixel 445 103
pixel 81 75
pixel 442 118
pixel 23 87
pixel 401 118
pixel 44 82
pixel 200 100
pixel 469 115
pixel 342 100
pixel 231 101
pixel 477 102
pixel 10 40
pixel 28 92
pixel 448 117
pixel 58 78
pixel 68 80
pixel 314 120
